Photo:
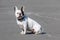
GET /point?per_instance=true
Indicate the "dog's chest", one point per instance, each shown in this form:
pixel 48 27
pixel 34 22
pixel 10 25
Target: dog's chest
pixel 19 23
pixel 24 22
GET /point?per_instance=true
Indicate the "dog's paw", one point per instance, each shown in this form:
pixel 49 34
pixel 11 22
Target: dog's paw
pixel 23 33
pixel 36 33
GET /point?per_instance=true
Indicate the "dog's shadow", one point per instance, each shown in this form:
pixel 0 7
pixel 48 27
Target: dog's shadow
pixel 33 33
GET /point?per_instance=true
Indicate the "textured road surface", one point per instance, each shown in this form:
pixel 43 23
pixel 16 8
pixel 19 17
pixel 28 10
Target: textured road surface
pixel 45 12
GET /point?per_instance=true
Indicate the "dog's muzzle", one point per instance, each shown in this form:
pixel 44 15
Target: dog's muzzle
pixel 20 18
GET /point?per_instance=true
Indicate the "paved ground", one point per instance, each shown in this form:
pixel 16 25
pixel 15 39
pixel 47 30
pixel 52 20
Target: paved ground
pixel 46 12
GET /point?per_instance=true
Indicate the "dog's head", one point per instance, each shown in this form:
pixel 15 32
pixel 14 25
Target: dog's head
pixel 19 13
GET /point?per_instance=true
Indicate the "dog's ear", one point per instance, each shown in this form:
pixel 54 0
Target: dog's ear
pixel 15 8
pixel 22 10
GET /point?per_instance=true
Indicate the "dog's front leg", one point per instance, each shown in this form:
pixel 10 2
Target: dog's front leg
pixel 23 30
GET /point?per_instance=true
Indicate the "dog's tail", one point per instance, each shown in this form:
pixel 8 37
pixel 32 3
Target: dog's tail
pixel 41 30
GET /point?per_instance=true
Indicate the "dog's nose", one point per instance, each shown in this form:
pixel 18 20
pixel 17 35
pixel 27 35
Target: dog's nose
pixel 20 14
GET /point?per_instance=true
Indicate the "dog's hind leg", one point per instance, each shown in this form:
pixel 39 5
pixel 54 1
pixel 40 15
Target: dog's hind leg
pixel 38 30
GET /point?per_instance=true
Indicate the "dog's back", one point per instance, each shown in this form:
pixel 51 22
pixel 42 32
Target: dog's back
pixel 33 24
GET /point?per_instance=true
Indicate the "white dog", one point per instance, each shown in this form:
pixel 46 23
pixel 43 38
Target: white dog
pixel 26 23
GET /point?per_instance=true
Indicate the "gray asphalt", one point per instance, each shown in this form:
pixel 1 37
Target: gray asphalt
pixel 45 12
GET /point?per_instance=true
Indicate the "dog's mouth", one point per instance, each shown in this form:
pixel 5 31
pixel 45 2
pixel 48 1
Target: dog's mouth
pixel 20 17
